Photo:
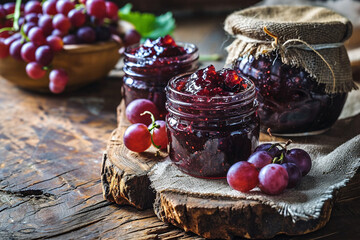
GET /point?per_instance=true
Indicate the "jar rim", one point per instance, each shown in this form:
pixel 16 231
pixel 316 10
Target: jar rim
pixel 250 89
pixel 186 45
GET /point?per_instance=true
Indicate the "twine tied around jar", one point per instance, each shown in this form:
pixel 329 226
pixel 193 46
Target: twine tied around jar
pixel 307 37
pixel 282 48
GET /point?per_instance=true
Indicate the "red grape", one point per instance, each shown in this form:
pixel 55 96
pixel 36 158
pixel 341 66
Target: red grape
pixel 242 176
pixel 131 37
pixel 273 179
pixel 111 10
pixel 86 35
pixel 77 17
pixel 137 137
pixel 44 55
pixel 159 135
pixel 28 52
pixel 45 23
pixel 55 43
pixel 15 49
pixel 4 50
pixel 35 70
pixel 294 174
pixel 61 22
pixel 49 7
pixel 9 7
pixel 137 107
pixel 96 8
pixel 36 35
pixel 260 159
pixel 2 12
pixel 300 158
pixel 58 80
pixel 32 7
pixel 64 6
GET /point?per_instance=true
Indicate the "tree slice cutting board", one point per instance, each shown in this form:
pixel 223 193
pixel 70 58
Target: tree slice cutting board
pixel 130 178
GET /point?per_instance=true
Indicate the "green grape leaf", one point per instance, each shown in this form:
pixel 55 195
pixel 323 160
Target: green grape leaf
pixel 147 24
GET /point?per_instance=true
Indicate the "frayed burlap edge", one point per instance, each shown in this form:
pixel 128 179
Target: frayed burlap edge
pixel 296 57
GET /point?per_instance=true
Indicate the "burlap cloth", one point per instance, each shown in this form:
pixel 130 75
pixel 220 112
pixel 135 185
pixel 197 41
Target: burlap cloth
pixel 319 27
pixel 335 155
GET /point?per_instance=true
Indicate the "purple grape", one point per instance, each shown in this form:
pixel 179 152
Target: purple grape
pixel 294 174
pixel 274 151
pixel 77 17
pixel 260 159
pixel 15 49
pixel 33 7
pixel 21 21
pixel 44 55
pixel 61 22
pixel 49 7
pixel 273 179
pixel 86 35
pixel 28 52
pixel 28 26
pixel 70 39
pixel 64 6
pixel 36 35
pixel 58 33
pixel 32 17
pixel 45 23
pixel 9 7
pixel 300 158
pixel 131 37
pixel 102 33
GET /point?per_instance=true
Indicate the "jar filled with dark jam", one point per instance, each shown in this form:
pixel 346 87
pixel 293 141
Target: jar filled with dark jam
pixel 150 66
pixel 291 102
pixel 212 121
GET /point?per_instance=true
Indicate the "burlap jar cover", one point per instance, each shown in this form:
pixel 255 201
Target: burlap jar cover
pixel 305 36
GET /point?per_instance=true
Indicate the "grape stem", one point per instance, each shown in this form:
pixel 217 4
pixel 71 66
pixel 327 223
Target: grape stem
pixel 152 127
pixel 17 15
pixel 279 160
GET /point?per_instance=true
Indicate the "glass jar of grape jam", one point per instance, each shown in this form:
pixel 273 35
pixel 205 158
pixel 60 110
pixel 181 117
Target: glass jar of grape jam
pixel 291 102
pixel 212 121
pixel 150 66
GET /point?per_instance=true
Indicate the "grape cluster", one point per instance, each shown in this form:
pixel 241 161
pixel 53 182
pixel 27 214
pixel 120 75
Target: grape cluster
pixel 271 167
pixel 145 130
pixel 43 28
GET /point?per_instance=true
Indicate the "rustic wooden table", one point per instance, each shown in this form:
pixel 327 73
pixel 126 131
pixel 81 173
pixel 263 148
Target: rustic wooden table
pixel 50 159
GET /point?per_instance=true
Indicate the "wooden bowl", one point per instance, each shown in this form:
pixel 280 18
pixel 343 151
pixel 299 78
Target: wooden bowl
pixel 84 63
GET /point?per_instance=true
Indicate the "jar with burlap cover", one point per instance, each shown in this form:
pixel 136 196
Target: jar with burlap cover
pixel 305 36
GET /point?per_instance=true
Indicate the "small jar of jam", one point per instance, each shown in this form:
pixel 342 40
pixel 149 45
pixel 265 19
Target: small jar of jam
pixel 212 121
pixel 291 102
pixel 150 66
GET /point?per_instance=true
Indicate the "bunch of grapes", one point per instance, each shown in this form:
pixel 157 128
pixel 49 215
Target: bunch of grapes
pixel 271 167
pixel 35 31
pixel 145 130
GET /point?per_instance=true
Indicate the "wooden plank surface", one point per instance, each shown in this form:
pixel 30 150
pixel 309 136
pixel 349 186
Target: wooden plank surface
pixel 50 162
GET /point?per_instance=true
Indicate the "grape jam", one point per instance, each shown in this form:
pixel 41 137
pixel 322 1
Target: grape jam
pixel 150 66
pixel 290 101
pixel 211 125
